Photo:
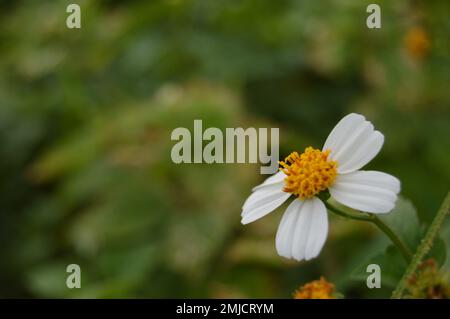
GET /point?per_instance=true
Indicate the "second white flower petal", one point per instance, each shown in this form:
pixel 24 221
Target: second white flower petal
pixel 262 195
pixel 353 143
pixel 342 130
pixel 274 179
pixel 262 202
pixel 303 230
pixel 369 191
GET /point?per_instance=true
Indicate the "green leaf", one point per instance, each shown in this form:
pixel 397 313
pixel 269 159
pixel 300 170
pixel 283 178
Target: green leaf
pixel 404 222
pixel 391 263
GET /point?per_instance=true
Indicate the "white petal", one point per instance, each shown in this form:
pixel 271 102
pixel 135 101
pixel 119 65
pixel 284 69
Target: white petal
pixel 353 143
pixel 263 204
pixel 285 233
pixel 342 129
pixel 275 178
pixel 369 191
pixel 319 230
pixel 261 195
pixel 271 185
pixel 303 229
pixel 362 154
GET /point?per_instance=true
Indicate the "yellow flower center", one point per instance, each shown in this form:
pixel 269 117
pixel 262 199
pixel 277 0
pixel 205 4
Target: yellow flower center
pixel 317 289
pixel 309 173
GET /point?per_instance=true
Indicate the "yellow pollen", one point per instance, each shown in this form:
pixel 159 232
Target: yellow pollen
pixel 309 173
pixel 317 289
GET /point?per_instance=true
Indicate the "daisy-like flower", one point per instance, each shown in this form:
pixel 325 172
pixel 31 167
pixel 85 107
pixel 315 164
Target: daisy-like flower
pixel 304 226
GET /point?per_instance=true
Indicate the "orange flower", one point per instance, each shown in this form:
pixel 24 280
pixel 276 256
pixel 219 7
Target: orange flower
pixel 317 289
pixel 417 42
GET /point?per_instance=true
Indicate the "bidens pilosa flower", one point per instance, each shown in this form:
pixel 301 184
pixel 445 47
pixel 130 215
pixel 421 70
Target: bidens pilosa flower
pixel 304 226
pixel 317 289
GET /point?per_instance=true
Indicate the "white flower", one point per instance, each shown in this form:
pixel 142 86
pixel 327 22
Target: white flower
pixel 304 226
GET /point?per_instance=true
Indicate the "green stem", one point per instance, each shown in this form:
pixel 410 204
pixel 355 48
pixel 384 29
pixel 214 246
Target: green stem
pixel 394 238
pixel 424 247
pixel 337 211
pixel 380 224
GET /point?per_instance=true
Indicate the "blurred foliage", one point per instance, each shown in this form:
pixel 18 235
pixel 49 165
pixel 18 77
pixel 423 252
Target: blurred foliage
pixel 86 117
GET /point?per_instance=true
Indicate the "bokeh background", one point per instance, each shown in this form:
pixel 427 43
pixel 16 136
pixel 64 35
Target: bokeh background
pixel 86 116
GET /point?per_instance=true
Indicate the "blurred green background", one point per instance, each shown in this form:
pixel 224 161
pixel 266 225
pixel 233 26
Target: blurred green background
pixel 86 116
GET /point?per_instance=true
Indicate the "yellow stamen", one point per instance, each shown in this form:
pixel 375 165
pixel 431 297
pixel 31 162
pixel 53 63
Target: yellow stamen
pixel 309 173
pixel 317 289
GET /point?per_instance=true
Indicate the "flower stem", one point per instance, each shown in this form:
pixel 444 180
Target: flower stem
pixel 394 238
pixel 424 247
pixel 379 223
pixel 337 211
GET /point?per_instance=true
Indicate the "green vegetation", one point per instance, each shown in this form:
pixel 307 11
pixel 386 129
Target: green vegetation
pixel 85 122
